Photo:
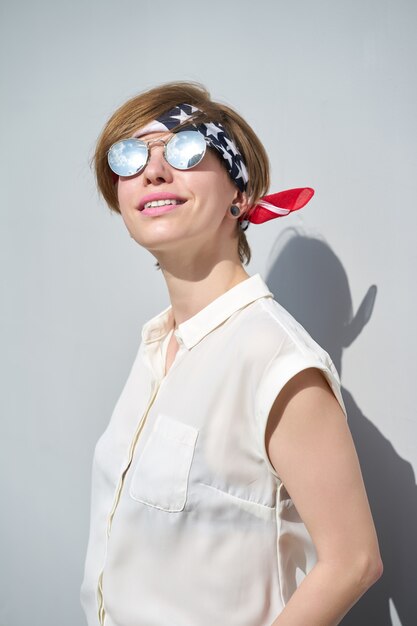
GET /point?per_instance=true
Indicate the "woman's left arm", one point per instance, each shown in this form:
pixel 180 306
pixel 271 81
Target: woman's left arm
pixel 311 447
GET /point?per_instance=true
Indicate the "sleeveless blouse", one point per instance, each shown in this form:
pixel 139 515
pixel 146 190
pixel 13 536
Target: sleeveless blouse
pixel 190 524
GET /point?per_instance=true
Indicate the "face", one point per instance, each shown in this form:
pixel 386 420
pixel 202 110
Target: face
pixel 198 220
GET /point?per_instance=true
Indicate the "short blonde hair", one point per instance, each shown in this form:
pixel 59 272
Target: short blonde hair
pixel 151 104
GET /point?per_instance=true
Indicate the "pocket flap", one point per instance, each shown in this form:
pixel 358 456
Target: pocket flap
pixel 160 478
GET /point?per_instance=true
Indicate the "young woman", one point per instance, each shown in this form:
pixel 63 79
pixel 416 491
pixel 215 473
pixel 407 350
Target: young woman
pixel 226 487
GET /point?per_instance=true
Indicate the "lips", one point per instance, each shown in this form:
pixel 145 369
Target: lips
pixel 153 197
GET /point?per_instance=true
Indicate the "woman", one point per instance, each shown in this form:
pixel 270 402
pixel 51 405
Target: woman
pixel 227 468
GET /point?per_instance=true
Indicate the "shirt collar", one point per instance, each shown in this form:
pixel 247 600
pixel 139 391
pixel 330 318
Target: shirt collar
pixel 190 332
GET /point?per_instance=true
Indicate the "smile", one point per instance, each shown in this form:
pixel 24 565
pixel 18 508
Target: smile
pixel 158 207
pixel 162 200
pixel 156 203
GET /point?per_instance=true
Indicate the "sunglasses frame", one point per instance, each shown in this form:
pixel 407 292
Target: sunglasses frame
pixel 165 142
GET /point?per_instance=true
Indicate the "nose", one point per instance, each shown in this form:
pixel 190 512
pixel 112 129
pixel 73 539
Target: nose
pixel 157 170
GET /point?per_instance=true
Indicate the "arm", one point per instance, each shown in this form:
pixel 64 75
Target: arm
pixel 310 446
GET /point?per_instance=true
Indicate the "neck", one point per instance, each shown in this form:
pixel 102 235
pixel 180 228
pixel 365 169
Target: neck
pixel 192 290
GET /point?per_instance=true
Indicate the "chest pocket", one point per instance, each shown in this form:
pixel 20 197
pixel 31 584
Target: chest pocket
pixel 160 478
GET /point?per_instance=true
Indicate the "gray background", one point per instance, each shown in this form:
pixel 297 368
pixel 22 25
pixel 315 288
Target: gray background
pixel 330 88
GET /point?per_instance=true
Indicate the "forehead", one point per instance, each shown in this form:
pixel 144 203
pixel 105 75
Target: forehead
pixel 147 135
pixel 154 127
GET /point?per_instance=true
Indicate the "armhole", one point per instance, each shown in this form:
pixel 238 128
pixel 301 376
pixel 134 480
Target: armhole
pixel 282 367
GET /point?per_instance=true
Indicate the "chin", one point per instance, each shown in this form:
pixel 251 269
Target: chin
pixel 161 245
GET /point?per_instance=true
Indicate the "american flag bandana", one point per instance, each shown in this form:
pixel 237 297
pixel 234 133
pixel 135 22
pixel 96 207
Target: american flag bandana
pixel 268 207
pixel 215 134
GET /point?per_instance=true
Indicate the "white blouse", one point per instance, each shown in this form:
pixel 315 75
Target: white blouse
pixel 190 523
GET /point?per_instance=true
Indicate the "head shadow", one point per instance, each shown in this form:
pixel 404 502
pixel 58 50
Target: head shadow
pixel 309 280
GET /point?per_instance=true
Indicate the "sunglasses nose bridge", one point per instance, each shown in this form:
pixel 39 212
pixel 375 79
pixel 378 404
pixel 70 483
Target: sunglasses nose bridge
pixel 156 161
pixel 159 140
pixel 151 142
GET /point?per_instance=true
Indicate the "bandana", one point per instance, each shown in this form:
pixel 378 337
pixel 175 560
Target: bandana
pixel 268 207
pixel 278 204
pixel 215 134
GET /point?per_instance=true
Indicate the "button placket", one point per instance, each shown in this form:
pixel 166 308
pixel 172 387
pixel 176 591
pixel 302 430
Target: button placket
pixel 100 595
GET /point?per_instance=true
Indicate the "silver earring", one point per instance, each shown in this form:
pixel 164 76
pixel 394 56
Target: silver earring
pixel 234 210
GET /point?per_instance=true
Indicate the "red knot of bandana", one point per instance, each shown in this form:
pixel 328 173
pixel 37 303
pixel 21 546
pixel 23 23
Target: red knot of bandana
pixel 278 205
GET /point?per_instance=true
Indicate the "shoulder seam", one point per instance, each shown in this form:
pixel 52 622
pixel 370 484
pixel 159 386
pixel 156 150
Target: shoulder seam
pixel 287 330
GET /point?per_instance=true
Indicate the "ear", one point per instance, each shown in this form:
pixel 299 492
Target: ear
pixel 241 200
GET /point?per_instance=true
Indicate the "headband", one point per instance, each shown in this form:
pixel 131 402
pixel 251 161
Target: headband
pixel 268 207
pixel 215 135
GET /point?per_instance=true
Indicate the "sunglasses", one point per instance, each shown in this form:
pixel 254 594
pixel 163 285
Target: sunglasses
pixel 183 151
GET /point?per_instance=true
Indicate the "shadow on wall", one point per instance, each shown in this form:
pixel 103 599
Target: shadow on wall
pixel 308 279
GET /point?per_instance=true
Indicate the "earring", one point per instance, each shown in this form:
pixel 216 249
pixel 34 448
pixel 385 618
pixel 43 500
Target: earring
pixel 234 210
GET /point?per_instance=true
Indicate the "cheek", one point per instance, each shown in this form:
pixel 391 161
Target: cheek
pixel 124 193
pixel 120 189
pixel 221 193
pixel 126 199
pixel 215 188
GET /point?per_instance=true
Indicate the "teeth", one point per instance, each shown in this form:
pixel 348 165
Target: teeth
pixel 155 203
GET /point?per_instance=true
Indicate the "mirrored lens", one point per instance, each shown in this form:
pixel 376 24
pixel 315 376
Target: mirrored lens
pixel 185 149
pixel 127 157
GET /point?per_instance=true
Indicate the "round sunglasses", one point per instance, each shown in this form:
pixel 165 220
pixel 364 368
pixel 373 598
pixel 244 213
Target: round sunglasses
pixel 183 151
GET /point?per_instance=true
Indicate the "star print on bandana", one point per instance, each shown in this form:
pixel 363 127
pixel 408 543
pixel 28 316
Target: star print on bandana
pixel 216 136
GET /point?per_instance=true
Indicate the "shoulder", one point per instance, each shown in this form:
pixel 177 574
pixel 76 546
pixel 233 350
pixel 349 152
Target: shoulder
pixel 269 329
pixel 293 356
pixel 275 347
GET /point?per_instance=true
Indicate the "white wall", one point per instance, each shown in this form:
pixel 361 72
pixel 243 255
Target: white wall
pixel 330 87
